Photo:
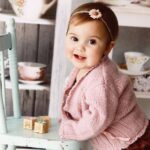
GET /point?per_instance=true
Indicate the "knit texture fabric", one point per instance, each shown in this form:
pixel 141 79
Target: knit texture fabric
pixel 101 107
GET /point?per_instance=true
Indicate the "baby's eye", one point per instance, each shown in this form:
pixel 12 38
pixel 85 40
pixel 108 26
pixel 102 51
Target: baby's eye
pixel 92 41
pixel 73 38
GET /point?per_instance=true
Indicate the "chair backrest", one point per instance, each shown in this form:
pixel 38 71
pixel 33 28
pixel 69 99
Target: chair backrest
pixel 8 43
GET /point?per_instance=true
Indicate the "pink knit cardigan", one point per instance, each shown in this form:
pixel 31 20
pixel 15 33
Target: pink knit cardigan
pixel 101 107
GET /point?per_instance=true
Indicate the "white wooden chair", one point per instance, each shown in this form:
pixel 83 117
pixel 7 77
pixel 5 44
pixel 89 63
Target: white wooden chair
pixel 12 133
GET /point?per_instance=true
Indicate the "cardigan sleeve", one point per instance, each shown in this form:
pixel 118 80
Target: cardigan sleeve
pixel 95 119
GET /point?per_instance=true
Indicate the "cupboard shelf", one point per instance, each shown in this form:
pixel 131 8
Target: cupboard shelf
pixel 4 15
pixel 133 15
pixel 144 95
pixel 39 87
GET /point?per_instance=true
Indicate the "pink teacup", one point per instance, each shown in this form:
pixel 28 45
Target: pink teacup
pixel 31 71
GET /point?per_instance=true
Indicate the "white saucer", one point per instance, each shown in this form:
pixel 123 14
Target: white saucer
pixel 31 82
pixel 145 3
pixel 116 2
pixel 125 71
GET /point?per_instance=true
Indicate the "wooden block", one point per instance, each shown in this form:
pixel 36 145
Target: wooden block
pixel 28 122
pixel 41 127
pixel 47 119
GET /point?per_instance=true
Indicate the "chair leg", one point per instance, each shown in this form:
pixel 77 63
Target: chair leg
pixel 2 147
pixel 3 128
pixel 11 147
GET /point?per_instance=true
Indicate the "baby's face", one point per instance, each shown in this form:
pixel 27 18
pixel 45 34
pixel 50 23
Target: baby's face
pixel 86 44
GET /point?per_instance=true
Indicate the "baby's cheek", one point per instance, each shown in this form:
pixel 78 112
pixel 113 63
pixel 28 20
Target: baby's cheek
pixel 69 54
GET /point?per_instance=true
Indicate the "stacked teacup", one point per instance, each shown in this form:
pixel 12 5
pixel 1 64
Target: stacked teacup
pixel 139 64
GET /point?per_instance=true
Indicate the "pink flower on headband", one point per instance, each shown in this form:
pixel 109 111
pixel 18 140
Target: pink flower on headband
pixel 95 14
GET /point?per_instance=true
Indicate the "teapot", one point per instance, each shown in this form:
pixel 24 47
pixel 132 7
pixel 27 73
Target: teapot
pixel 31 9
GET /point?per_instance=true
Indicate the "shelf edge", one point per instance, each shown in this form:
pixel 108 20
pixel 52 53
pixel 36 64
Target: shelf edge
pixel 41 21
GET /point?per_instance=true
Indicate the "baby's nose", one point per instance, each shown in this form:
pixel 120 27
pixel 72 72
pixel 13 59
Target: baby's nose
pixel 80 47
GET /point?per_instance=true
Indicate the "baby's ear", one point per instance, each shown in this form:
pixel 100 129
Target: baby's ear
pixel 109 47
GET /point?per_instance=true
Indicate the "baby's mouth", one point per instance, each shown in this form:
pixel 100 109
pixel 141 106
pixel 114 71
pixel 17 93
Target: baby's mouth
pixel 79 57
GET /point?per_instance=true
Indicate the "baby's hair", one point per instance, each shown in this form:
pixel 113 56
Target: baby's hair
pixel 101 13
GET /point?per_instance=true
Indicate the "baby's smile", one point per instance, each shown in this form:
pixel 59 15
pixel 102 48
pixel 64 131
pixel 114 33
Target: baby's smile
pixel 78 57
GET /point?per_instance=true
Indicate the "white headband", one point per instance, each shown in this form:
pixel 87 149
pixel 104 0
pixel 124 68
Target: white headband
pixel 96 14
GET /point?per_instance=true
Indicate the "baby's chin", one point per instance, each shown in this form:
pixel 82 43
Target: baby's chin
pixel 80 66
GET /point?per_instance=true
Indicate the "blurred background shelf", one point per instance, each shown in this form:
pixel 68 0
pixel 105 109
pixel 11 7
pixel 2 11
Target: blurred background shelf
pixel 138 16
pixel 145 95
pixel 133 15
pixel 6 14
pixel 40 87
